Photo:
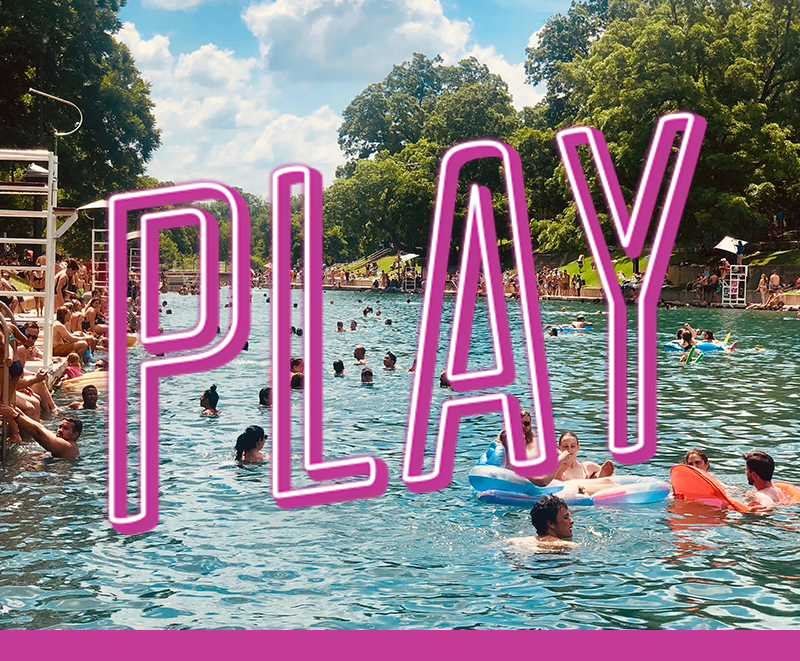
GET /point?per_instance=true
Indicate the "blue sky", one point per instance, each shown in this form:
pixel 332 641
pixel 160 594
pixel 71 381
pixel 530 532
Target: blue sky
pixel 243 86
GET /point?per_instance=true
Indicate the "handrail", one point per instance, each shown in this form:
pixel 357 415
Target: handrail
pixel 10 351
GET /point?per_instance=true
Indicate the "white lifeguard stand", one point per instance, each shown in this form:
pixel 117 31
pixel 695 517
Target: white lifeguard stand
pixel 47 186
pixel 734 287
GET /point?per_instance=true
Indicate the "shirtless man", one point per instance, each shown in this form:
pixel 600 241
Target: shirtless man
pixel 89 395
pixel 360 354
pixel 62 444
pixel 550 517
pixel 759 469
pixel 64 342
pixel 63 282
pixel 774 282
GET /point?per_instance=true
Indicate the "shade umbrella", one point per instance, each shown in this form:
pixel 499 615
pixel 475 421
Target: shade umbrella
pixel 728 244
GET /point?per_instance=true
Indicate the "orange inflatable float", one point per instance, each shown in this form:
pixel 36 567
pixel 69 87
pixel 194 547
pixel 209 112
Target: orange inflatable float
pixel 690 483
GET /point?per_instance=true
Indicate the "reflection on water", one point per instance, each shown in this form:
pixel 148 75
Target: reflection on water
pixel 224 555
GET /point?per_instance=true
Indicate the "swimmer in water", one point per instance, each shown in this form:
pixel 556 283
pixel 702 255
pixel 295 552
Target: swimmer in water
pixel 389 361
pixel 698 459
pixel 89 399
pixel 580 322
pixel 209 400
pixel 249 445
pixel 576 470
pixel 340 327
pixel 360 354
pixel 759 467
pixel 366 375
pixel 338 368
pixel 550 517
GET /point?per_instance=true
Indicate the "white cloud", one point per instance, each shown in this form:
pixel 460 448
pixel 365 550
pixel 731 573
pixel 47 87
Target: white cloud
pixel 217 121
pixel 148 53
pixel 533 42
pixel 173 4
pixel 514 75
pixel 351 39
pixel 214 68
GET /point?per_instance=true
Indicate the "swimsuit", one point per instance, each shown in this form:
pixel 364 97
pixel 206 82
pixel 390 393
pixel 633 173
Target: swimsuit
pixel 585 474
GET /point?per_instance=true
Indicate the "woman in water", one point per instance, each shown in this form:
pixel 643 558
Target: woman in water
pixel 249 444
pixel 209 400
pixel 698 459
pixel 576 470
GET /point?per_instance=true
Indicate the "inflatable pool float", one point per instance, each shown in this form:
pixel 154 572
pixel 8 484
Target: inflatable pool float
pixel 501 486
pixel 587 327
pixel 705 347
pixel 98 378
pixel 690 483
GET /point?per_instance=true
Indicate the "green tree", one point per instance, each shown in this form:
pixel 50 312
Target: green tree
pixel 735 63
pixel 68 49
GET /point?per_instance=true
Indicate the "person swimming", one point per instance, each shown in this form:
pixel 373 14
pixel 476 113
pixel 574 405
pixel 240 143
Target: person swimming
pixel 249 445
pixel 209 400
pixel 698 459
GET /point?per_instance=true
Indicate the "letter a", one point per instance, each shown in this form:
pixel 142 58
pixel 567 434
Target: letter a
pixel 317 468
pixel 632 231
pixel 479 230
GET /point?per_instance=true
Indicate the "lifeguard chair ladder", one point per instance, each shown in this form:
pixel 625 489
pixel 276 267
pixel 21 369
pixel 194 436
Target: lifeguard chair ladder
pixel 734 287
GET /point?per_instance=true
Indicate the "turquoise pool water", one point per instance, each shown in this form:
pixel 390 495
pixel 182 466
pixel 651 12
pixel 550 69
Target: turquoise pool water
pixel 224 555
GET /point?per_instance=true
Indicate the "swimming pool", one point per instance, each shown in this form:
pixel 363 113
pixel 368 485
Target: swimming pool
pixel 224 555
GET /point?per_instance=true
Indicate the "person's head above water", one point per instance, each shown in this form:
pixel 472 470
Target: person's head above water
pixel 359 353
pixel 366 375
pixel 353 325
pixel 550 517
pixel 70 429
pixel 759 464
pixel 89 394
pixel 698 459
pixel 251 441
pixel 708 336
pixel 568 441
pixel 297 365
pixel 338 368
pixel 339 325
pixel 210 398
pixel 298 381
pixel 389 360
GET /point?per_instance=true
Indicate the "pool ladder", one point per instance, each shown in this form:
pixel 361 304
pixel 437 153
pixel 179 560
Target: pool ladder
pixel 9 351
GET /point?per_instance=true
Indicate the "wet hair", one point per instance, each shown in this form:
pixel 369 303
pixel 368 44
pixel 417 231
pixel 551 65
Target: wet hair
pixel 680 333
pixel 298 381
pixel 248 441
pixel 687 336
pixel 392 357
pixel 212 396
pixel 545 511
pixel 699 453
pixel 388 322
pixel 339 324
pixel 299 332
pixel 760 463
pixel 296 360
pixel 264 396
pixel 77 425
pixel 246 346
pixel 708 335
pixel 444 382
pixel 338 366
pixel 554 332
pixel 567 434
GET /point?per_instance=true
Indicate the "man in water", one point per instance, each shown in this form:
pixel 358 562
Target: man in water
pixel 550 517
pixel 62 444
pixel 360 354
pixel 89 395
pixel 759 469
pixel 366 375
pixel 389 360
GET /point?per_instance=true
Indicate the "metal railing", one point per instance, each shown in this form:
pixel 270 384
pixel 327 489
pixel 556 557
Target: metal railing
pixel 9 353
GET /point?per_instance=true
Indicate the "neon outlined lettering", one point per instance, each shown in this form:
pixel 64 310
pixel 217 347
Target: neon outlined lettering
pixel 479 217
pixel 317 468
pixel 193 340
pixel 632 231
